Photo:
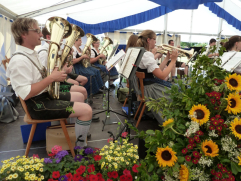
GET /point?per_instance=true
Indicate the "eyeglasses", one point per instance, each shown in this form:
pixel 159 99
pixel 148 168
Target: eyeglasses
pixel 35 30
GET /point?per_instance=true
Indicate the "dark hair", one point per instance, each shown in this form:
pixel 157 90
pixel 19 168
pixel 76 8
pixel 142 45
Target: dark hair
pixel 169 42
pixel 142 39
pixel 131 42
pixel 45 32
pixel 212 41
pixel 231 42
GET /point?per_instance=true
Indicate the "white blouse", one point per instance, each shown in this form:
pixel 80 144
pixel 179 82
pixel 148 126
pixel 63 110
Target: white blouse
pixel 148 62
pixel 43 55
pixel 75 52
pixel 23 73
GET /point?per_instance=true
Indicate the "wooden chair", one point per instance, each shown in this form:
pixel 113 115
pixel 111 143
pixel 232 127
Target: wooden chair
pixel 140 76
pixel 29 120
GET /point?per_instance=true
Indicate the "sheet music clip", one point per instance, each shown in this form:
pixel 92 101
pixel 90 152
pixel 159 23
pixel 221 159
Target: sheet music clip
pixel 134 65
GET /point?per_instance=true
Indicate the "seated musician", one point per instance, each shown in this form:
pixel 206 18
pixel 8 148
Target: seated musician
pixel 97 82
pixel 95 56
pixel 212 43
pixel 70 85
pixel 233 45
pixel 30 81
pixel 154 75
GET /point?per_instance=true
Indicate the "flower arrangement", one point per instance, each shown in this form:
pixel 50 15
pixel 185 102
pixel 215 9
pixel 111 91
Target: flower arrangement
pixel 201 137
pixel 22 168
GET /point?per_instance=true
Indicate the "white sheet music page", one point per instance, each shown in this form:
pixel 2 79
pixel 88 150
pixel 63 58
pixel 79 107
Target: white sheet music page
pixel 114 60
pixel 231 64
pixel 129 61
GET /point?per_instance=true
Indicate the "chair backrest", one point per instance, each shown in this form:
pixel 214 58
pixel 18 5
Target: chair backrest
pixel 141 76
pixel 25 108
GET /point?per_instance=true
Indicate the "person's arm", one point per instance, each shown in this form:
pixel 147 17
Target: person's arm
pixel 94 59
pixel 163 64
pixel 76 60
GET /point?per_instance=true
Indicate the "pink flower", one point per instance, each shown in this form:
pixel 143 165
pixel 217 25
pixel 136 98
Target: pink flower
pixel 56 149
pixel 124 134
pixel 126 172
pixel 110 139
pixel 35 156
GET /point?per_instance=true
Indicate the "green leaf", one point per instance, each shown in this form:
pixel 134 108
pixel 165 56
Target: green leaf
pixel 150 132
pixel 234 168
pixel 159 171
pixel 225 160
pixel 181 159
pixel 151 167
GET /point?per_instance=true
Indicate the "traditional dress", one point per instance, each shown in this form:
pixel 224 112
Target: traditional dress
pixel 24 70
pixel 97 82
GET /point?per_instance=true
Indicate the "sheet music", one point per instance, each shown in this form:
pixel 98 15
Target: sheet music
pixel 114 60
pixel 113 51
pixel 230 64
pixel 129 61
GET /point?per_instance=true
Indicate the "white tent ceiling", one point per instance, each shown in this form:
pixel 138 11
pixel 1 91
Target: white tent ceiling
pixel 96 11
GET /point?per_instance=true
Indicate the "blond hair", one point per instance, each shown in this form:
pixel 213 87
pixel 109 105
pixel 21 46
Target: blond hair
pixel 142 39
pixel 20 26
pixel 131 42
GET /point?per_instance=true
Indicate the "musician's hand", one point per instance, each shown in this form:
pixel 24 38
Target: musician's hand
pixel 168 55
pixel 67 69
pixel 84 56
pixel 174 55
pixel 102 56
pixel 104 63
pixel 58 76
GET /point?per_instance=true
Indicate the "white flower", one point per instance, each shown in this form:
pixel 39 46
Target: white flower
pixel 193 128
pixel 205 161
pixel 212 133
pixel 171 144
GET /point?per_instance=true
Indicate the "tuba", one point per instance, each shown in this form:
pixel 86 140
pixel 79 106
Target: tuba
pixel 168 48
pixel 65 57
pixel 108 41
pixel 86 50
pixel 59 28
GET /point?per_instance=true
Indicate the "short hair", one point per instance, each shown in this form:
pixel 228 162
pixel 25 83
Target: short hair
pixel 212 41
pixel 169 42
pixel 20 26
pixel 45 32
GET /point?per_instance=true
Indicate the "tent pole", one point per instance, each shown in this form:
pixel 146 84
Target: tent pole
pixel 165 28
pixel 220 28
pixel 190 36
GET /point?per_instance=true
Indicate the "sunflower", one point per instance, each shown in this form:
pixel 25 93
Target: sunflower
pixel 199 114
pixel 236 127
pixel 210 148
pixel 233 82
pixel 166 157
pixel 234 103
pixel 239 158
pixel 168 122
pixel 183 173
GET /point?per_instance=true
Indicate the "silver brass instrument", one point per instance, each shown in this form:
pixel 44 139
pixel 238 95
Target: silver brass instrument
pixel 168 48
pixel 65 57
pixel 59 28
pixel 108 41
pixel 86 50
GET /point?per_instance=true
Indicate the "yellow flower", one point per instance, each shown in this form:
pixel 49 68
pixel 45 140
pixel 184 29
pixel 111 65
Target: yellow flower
pixel 26 178
pixel 166 157
pixel 12 158
pixel 15 175
pixel 27 173
pixel 37 168
pixel 41 169
pixel 102 165
pixel 236 128
pixel 183 173
pixel 210 148
pixel 233 82
pixel 10 177
pixel 168 122
pixel 17 156
pixel 14 163
pixel 32 169
pixel 234 103
pixel 239 158
pixel 127 163
pixel 199 114
pixel 5 161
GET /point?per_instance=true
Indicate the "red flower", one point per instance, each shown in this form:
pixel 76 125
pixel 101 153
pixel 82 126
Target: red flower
pixel 216 108
pixel 208 94
pixel 211 127
pixel 124 134
pixel 129 178
pixel 215 123
pixel 213 172
pixel 91 168
pixel 239 146
pixel 109 174
pixel 87 177
pixel 190 146
pixel 126 172
pixel 225 125
pixel 213 101
pixel 197 139
pixel 188 158
pixel 114 174
pixel 35 156
pixel 81 169
pixel 217 116
pixel 231 177
pixel 221 121
pixel 50 179
pixel 69 175
pixel 196 154
pixel 219 128
pixel 218 97
pixel 76 177
pixel 184 151
pixel 195 161
pixel 224 170
pixel 97 157
pixel 99 175
pixel 55 174
pixel 93 178
pixel 229 172
pixel 123 177
pixel 134 168
pixel 220 166
pixel 101 179
pixel 109 179
pixel 109 139
pixel 193 145
pixel 200 133
pixel 51 154
pixel 191 140
pixel 219 174
pixel 213 119
pixel 219 102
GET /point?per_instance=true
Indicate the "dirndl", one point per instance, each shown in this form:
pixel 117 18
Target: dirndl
pixel 97 82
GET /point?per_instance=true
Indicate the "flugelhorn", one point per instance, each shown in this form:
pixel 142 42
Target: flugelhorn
pixel 76 32
pixel 59 28
pixel 108 41
pixel 86 50
pixel 168 48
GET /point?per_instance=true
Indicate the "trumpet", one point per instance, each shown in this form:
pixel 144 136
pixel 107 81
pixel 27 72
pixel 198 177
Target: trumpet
pixel 168 48
pixel 86 50
pixel 108 41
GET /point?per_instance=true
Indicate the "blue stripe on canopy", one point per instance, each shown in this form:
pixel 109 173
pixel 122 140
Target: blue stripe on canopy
pixel 221 13
pixel 122 23
pixel 182 4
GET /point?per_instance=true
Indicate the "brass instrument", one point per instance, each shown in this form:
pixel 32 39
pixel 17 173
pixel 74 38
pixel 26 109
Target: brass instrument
pixel 168 48
pixel 59 28
pixel 86 50
pixel 108 41
pixel 65 57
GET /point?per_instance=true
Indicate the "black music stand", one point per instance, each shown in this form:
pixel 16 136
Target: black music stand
pixel 130 78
